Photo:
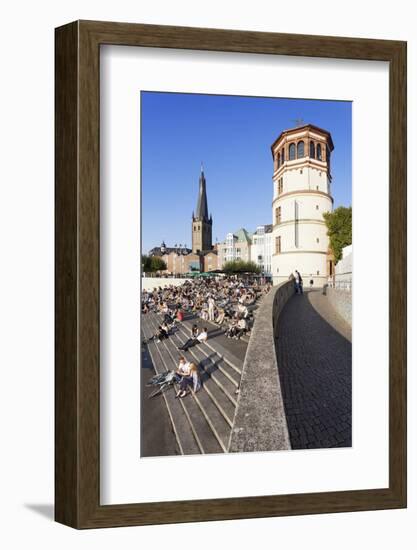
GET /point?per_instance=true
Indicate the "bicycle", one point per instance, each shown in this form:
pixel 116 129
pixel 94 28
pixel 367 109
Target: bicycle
pixel 163 380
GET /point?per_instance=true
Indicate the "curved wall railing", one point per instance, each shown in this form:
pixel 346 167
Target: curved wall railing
pixel 260 423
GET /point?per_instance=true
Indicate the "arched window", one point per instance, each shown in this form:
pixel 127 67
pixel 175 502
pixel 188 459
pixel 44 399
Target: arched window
pixel 282 155
pixel 291 151
pixel 312 150
pixel 300 149
pixel 279 160
pixel 319 151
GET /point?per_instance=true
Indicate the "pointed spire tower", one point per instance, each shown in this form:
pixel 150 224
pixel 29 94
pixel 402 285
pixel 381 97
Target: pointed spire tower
pixel 201 222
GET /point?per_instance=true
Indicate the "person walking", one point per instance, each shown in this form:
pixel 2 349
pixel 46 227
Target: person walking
pixel 298 282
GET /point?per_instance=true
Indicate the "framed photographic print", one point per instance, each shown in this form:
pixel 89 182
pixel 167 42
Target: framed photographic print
pixel 230 274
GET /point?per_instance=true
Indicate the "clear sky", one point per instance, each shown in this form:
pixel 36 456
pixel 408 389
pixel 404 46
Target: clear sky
pixel 231 136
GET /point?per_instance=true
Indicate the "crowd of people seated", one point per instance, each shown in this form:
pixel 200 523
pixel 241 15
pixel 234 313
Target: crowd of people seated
pixel 225 302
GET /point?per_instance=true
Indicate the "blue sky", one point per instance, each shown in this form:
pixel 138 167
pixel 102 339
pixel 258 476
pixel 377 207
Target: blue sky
pixel 232 136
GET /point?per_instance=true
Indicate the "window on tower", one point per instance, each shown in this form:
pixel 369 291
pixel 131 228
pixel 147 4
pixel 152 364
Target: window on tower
pixel 312 150
pixel 291 151
pixel 300 149
pixel 282 155
pixel 278 245
pixel 319 151
pixel 278 215
pixel 279 160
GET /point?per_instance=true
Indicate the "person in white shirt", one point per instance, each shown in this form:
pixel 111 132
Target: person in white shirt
pixel 192 379
pixel 198 339
pixel 241 328
pixel 211 304
pixel 202 337
pixel 183 369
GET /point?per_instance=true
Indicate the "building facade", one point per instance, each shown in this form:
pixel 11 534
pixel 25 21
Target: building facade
pixel 302 193
pixel 261 249
pixel 236 246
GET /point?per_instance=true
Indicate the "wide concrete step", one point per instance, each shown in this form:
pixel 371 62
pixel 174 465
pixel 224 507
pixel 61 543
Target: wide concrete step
pixel 225 354
pixel 212 414
pixel 224 367
pixel 184 434
pixel 208 426
pixel 212 380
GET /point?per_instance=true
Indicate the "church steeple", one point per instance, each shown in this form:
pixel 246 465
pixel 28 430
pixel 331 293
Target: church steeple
pixel 201 222
pixel 202 209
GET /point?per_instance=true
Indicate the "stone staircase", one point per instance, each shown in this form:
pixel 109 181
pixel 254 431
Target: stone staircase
pixel 202 422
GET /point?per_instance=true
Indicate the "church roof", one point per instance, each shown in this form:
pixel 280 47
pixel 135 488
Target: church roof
pixel 156 251
pixel 202 209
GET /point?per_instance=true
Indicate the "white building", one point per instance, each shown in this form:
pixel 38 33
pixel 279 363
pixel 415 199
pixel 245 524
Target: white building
pixel 261 250
pixel 302 193
pixel 236 246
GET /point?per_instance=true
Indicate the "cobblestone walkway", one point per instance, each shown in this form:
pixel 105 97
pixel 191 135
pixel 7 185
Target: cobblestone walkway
pixel 314 353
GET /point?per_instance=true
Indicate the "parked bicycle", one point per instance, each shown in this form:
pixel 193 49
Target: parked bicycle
pixel 163 381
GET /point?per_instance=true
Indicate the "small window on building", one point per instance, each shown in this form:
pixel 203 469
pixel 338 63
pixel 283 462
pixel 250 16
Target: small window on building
pixel 317 187
pixel 312 150
pixel 282 155
pixel 318 272
pixel 317 206
pixel 279 160
pixel 317 240
pixel 319 151
pixel 278 245
pixel 300 149
pixel 291 151
pixel 301 171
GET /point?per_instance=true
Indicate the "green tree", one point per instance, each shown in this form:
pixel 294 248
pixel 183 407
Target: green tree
pixel 240 266
pixel 339 229
pixel 151 264
pixel 146 263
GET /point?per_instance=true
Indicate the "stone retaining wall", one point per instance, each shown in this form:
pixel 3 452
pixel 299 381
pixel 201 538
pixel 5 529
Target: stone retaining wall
pixel 148 283
pixel 341 300
pixel 260 423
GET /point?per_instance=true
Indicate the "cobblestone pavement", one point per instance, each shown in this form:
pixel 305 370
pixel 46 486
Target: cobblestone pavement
pixel 314 353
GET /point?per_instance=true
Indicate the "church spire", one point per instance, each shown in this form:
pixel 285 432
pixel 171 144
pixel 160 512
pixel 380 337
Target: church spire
pixel 202 209
pixel 201 225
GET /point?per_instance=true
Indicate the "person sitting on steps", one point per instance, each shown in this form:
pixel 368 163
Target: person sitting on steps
pixel 189 342
pixel 192 379
pixel 199 339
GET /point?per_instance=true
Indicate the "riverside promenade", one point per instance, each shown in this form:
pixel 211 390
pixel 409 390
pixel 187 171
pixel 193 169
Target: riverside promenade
pixel 314 355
